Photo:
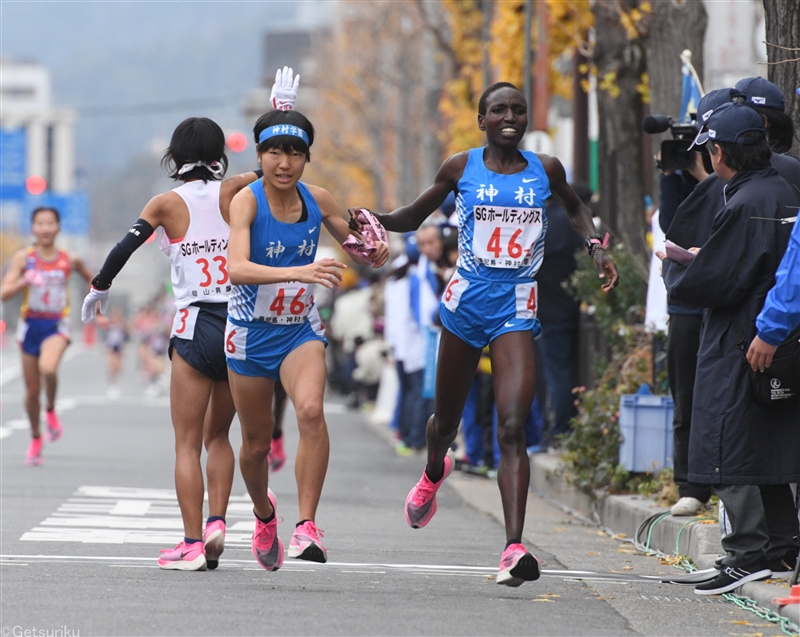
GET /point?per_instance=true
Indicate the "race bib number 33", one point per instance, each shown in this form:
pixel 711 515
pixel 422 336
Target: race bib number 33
pixel 504 237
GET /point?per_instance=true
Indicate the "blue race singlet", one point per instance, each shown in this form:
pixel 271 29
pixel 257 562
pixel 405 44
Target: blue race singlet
pixel 501 219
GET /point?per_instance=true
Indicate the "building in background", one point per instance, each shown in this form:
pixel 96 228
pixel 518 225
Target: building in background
pixel 37 152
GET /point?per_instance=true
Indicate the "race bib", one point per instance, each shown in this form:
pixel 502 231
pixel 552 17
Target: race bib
pixel 504 237
pixel 206 275
pixel 527 300
pixel 452 293
pixel 284 303
pixel 235 341
pixel 50 298
pixel 184 321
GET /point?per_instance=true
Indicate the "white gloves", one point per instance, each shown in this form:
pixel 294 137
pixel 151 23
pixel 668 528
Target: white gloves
pixel 89 309
pixel 284 91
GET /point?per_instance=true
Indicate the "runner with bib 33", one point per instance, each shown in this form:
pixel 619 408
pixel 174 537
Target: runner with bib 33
pixel 491 300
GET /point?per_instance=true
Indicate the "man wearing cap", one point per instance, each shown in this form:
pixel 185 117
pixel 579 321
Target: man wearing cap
pixel 767 100
pixel 747 452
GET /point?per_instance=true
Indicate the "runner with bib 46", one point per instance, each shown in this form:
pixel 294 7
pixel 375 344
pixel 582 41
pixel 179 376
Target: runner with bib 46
pixel 491 300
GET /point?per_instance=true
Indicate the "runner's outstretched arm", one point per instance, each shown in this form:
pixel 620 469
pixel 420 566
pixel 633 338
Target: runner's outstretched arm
pixel 409 218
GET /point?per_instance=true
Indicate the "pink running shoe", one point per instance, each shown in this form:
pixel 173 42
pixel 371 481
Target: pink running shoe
pixel 54 428
pixel 34 455
pixel 517 566
pixel 184 557
pixel 277 456
pixel 214 542
pixel 421 500
pixel 267 546
pixel 306 543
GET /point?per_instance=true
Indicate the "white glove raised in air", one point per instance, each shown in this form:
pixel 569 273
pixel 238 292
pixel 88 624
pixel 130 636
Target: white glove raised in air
pixel 284 91
pixel 89 309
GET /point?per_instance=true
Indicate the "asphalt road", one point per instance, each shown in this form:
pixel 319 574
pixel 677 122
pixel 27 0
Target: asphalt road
pixel 80 535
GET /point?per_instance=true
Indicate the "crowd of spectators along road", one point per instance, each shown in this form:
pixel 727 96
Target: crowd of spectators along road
pixel 392 319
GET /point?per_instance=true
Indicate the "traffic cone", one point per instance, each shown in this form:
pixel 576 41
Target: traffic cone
pixel 794 597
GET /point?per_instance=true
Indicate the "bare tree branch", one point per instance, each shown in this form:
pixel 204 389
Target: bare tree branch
pixel 781 62
pixel 778 46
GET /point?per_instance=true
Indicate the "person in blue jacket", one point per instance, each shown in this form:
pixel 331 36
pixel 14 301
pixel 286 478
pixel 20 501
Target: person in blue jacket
pixel 781 312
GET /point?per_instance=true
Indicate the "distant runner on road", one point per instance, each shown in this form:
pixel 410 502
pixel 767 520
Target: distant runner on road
pixel 41 272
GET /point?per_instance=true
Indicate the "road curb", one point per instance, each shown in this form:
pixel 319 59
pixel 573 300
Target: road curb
pixel 623 514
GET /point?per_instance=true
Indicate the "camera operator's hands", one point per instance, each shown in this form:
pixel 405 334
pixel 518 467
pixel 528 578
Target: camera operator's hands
pixel 698 169
pixel 666 171
pixel 607 269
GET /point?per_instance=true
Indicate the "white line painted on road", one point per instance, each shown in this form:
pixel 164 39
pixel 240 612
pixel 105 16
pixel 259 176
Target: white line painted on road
pixel 351 567
pixel 123 515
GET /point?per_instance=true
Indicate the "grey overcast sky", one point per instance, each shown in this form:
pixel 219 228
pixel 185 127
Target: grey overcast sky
pixel 106 56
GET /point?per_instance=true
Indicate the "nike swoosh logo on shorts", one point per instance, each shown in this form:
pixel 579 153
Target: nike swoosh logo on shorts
pixel 312 229
pixel 509 324
pixel 527 181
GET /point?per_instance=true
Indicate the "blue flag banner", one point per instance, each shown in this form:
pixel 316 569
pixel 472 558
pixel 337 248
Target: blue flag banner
pixel 691 94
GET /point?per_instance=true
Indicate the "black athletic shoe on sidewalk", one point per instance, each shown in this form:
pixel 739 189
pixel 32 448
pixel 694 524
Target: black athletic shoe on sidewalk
pixel 783 566
pixel 731 578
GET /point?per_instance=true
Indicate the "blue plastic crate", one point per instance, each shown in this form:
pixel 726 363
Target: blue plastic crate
pixel 646 425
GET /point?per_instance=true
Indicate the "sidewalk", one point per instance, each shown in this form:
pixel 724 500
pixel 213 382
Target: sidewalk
pixel 621 514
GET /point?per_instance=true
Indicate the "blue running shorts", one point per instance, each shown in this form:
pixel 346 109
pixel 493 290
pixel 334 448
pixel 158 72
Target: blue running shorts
pixel 478 311
pixel 32 332
pixel 259 349
pixel 205 349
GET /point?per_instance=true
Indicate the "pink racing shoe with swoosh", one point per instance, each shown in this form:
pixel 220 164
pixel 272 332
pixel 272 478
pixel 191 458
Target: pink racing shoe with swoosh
pixel 184 557
pixel 33 457
pixel 518 566
pixel 306 543
pixel 54 428
pixel 421 500
pixel 267 546
pixel 277 455
pixel 214 542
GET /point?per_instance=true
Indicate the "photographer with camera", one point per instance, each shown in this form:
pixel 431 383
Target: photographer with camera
pixel 748 452
pixel 695 193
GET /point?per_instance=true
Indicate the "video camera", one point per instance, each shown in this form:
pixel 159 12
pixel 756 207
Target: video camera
pixel 675 153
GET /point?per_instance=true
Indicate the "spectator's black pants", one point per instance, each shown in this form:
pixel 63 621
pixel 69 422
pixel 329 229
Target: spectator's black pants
pixel 763 522
pixel 682 346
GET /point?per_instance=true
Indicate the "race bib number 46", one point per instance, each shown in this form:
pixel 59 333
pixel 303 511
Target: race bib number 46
pixel 504 237
pixel 284 303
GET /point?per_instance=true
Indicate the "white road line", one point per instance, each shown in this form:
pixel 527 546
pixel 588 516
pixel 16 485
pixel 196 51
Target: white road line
pixel 345 567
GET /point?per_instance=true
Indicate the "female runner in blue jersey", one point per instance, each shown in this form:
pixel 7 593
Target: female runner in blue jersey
pixel 491 299
pixel 273 331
